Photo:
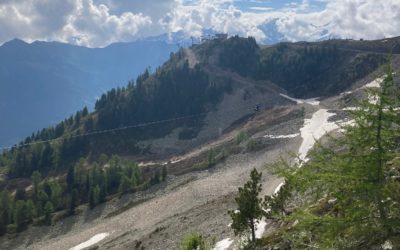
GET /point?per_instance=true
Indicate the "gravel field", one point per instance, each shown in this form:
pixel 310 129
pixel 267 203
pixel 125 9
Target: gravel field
pixel 197 201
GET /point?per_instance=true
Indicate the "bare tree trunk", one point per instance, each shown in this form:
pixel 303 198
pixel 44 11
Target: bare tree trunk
pixel 380 149
pixel 253 230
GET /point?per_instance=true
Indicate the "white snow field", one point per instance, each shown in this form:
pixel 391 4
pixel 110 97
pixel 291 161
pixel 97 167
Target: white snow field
pixel 311 101
pixel 281 136
pixel 314 129
pixel 223 244
pixel 95 239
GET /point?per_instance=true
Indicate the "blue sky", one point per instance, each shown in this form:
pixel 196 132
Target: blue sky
pixel 248 5
pixel 262 5
pixel 97 23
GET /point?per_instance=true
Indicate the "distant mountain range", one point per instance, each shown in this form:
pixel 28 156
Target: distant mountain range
pixel 270 28
pixel 43 82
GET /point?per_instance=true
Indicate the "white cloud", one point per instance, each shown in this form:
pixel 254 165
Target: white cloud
pixel 76 21
pixel 220 15
pixel 100 22
pixel 367 19
pixel 93 25
pixel 32 19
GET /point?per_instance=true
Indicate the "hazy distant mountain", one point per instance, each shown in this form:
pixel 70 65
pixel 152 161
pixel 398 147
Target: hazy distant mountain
pixel 269 28
pixel 43 82
pixel 273 35
pixel 182 39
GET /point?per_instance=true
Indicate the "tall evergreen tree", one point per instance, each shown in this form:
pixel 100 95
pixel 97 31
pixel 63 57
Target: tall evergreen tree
pixel 5 207
pixel 19 214
pixel 249 209
pixel 36 179
pixel 74 200
pixel 70 178
pixel 48 210
pixel 351 187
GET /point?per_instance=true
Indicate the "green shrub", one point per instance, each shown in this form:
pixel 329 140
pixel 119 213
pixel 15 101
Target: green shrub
pixel 11 228
pixel 194 241
pixel 241 137
pixel 254 145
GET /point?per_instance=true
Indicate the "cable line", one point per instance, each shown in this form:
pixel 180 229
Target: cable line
pixel 98 132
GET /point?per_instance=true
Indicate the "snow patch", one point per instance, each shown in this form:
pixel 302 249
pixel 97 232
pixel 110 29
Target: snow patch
pixel 351 109
pixel 95 239
pixel 281 136
pixel 372 98
pixel 260 228
pixel 223 244
pixel 278 188
pixel 176 160
pixel 346 93
pixel 374 84
pixel 387 245
pixel 314 129
pixel 311 101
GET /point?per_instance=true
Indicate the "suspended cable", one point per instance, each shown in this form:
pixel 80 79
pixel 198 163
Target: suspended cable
pixel 98 132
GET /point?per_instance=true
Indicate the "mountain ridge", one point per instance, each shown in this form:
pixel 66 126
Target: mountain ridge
pixel 64 78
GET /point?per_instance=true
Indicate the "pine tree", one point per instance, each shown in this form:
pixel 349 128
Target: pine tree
pixel 5 208
pixel 36 179
pixel 74 200
pixel 42 198
pixel 249 206
pixel 103 193
pixel 351 186
pixel 56 195
pixel 94 196
pixel 70 178
pixel 19 214
pixel 30 210
pixel 48 210
pixel 125 185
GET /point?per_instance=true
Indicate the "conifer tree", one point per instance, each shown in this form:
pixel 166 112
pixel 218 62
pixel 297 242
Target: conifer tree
pixel 5 207
pixel 19 214
pixel 36 179
pixel 70 178
pixel 48 210
pixel 74 200
pixel 350 187
pixel 125 185
pixel 249 206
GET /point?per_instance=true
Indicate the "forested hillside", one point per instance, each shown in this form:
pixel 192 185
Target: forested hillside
pixel 78 157
pixel 303 69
